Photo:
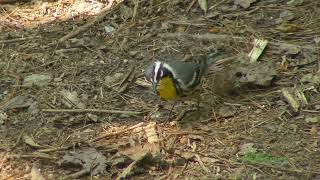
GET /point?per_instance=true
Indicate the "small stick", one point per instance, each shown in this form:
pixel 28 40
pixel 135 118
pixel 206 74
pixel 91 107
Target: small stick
pixel 116 133
pixel 91 111
pixel 183 113
pixel 201 163
pixel 190 6
pixel 83 172
pixel 127 81
pixel 224 37
pixel 15 40
pixel 107 10
pixel 168 118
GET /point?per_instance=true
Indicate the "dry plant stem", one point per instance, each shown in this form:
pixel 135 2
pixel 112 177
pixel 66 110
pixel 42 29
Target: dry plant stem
pixel 39 156
pixel 127 81
pixel 53 149
pixel 18 141
pixel 90 111
pixel 190 6
pixel 16 40
pixel 183 113
pixel 225 37
pixel 170 112
pixel 80 173
pixel 107 10
pixel 126 169
pixel 286 169
pixel 116 133
pixel 201 163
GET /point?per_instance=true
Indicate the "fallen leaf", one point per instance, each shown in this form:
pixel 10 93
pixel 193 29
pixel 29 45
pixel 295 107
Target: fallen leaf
pixel 295 2
pixel 247 148
pixel 226 111
pixel 18 102
pixel 85 159
pixel 35 173
pixel 39 80
pixel 203 5
pixel 151 132
pixel 244 3
pixel 290 49
pixel 28 140
pixel 136 151
pixel 71 99
pixel 258 47
pixel 284 27
pixel 138 166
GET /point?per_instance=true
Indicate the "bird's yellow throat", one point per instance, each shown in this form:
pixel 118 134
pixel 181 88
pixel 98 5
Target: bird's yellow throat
pixel 167 89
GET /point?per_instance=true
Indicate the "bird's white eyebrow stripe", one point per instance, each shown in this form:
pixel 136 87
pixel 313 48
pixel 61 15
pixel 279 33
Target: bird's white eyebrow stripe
pixel 156 69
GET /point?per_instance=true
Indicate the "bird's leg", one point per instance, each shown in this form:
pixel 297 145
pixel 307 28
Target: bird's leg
pixel 198 103
pixel 173 105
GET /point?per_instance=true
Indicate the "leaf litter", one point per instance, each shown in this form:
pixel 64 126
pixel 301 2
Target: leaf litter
pixel 72 88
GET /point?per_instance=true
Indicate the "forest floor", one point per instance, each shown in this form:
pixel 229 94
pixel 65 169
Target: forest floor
pixel 74 102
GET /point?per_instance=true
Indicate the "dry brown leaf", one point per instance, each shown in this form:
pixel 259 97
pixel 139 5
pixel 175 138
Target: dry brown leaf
pixel 288 28
pixel 184 140
pixel 135 152
pixel 244 3
pixel 28 140
pixel 35 173
pixel 151 133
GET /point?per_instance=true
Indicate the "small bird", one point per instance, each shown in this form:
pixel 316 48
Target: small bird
pixel 173 80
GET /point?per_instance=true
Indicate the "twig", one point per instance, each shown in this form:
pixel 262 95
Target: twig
pixel 127 81
pixel 201 163
pixel 200 36
pixel 190 5
pixel 183 168
pixel 70 50
pixel 311 111
pixel 81 173
pixel 53 149
pixel 225 37
pixel 116 133
pixel 217 4
pixel 105 11
pixel 91 111
pixel 183 113
pixel 284 169
pixel 15 40
pixel 18 140
pixel 39 155
pixel 186 23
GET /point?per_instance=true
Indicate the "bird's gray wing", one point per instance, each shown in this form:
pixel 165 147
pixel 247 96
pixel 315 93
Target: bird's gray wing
pixel 184 71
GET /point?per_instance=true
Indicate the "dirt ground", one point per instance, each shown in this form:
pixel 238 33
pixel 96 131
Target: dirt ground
pixel 74 103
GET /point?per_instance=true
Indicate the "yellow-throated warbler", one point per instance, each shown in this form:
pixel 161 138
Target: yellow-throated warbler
pixel 173 80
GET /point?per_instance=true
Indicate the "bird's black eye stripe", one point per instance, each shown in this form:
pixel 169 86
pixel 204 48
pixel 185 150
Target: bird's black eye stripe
pixel 160 72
